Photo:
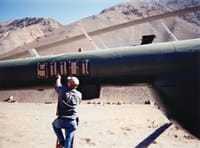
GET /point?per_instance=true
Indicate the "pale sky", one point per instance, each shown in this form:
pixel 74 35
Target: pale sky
pixel 64 11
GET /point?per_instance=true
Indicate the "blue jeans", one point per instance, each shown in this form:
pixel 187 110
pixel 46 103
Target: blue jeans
pixel 69 125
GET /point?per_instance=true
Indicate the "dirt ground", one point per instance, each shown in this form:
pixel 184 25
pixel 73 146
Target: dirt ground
pixel 28 125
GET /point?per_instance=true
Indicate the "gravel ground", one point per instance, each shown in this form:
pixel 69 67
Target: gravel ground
pixel 102 126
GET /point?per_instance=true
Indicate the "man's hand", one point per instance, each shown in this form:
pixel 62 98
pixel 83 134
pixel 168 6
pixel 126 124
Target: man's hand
pixel 58 81
pixel 58 76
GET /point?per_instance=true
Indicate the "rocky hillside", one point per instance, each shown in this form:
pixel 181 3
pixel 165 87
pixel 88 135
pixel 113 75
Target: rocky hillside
pixel 40 31
pixel 185 27
pixel 177 4
pixel 23 31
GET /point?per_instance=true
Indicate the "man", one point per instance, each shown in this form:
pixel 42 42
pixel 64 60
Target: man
pixel 68 100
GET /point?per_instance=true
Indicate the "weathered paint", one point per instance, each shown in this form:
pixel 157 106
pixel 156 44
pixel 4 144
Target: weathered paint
pixel 134 63
pixel 172 69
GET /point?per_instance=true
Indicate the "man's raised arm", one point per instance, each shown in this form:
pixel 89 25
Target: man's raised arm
pixel 58 81
pixel 58 86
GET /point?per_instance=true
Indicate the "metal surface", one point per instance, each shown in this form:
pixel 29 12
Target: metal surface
pixel 172 69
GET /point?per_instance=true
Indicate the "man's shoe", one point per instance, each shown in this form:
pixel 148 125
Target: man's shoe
pixel 60 145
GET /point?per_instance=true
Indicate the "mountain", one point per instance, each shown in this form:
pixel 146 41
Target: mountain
pixel 36 32
pixel 177 4
pixel 23 31
pixel 184 27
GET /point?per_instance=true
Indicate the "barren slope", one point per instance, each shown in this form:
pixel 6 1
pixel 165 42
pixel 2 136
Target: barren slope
pixel 20 32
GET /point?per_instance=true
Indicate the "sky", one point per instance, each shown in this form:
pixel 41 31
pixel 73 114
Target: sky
pixel 64 11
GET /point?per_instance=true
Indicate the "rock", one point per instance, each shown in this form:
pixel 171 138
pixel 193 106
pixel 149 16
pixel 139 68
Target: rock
pixel 175 136
pixel 89 102
pixel 155 142
pixel 108 103
pixel 99 103
pixel 10 99
pixel 119 103
pixel 188 137
pixel 48 102
pixel 147 102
